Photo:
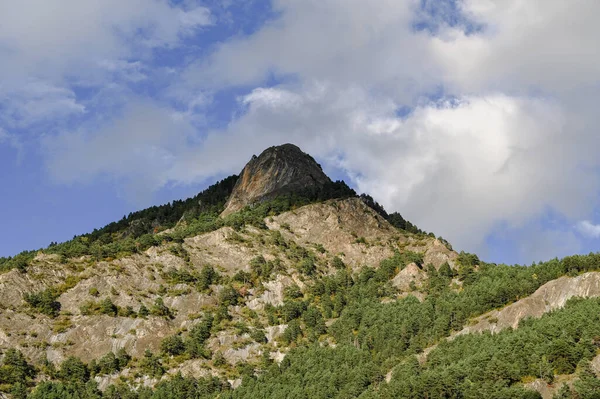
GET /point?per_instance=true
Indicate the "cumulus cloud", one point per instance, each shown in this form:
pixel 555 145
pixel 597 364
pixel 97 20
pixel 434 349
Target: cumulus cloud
pixel 51 39
pixel 526 45
pixel 138 148
pixel 338 41
pixel 51 49
pixel 588 229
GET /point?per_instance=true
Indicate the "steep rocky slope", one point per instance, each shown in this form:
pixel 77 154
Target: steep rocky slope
pixel 277 170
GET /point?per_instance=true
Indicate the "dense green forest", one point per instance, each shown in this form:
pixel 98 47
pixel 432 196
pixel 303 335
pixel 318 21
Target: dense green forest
pixel 471 366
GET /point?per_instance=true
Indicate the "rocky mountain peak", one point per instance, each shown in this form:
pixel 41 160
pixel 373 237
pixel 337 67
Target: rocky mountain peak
pixel 277 170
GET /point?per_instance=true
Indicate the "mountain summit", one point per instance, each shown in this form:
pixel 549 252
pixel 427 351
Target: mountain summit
pixel 277 170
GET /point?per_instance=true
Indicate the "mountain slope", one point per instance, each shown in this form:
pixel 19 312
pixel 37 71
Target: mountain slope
pixel 137 279
pixel 299 290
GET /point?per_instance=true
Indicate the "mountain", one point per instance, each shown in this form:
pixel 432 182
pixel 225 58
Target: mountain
pixel 281 283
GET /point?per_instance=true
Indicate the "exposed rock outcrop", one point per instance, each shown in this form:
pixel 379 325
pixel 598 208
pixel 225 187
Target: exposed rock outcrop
pixel 410 275
pixel 339 227
pixel 277 170
pixel 595 365
pixel 550 296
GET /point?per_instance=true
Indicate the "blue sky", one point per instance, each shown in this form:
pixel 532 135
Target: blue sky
pixel 474 119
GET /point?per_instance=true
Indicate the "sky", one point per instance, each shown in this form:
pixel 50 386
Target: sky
pixel 475 119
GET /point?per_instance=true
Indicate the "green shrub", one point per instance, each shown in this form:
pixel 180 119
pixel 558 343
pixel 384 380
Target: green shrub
pixel 107 307
pixel 151 365
pixel 292 292
pixel 160 309
pixel 19 262
pixel 208 275
pixel 292 332
pixel 143 311
pixel 200 332
pixel 44 302
pixel 259 336
pixel 229 296
pixel 338 263
pixel 260 267
pixel 219 360
pixel 183 276
pixel 14 368
pixel 173 345
pixel 109 364
pixel 73 369
pixel 307 266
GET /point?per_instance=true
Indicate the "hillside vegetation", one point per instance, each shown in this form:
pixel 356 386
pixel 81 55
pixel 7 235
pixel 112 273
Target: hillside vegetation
pixel 345 335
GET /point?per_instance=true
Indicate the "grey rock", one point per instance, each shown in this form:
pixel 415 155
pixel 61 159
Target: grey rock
pixel 277 170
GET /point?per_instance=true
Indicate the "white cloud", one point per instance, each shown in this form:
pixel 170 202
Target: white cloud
pixel 54 39
pixel 338 41
pixel 525 46
pixel 49 48
pixel 35 102
pixel 545 45
pixel 588 229
pixel 139 148
pixel 129 71
pixel 192 19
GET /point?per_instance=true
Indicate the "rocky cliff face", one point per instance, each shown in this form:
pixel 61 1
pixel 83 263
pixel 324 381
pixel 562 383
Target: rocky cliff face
pixel 278 170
